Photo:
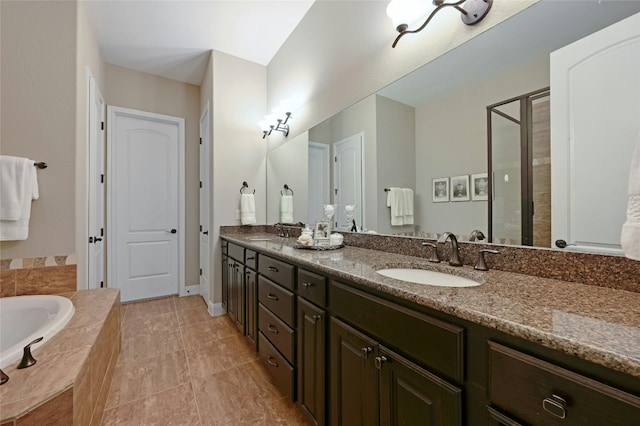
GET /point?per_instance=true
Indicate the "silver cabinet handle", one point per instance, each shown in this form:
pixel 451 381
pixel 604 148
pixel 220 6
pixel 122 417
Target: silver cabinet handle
pixel 272 296
pixel 555 406
pixel 366 351
pixel 307 285
pixel 272 329
pixel 272 269
pixel 380 360
pixel 271 361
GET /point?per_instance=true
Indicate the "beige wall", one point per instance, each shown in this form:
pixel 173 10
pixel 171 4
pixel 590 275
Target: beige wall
pixel 145 92
pixel 238 96
pixel 38 104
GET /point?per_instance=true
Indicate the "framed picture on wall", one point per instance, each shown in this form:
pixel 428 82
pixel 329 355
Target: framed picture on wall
pixel 440 190
pixel 479 187
pixel 460 188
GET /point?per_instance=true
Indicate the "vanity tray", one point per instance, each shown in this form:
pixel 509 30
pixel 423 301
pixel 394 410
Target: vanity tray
pixel 334 247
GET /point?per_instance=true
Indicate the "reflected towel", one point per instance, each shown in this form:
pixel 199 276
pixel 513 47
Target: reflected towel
pixel 630 237
pixel 407 198
pixel 286 209
pixel 247 209
pixel 18 187
pixel 395 200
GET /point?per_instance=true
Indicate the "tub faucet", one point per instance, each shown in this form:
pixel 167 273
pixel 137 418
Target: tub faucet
pixel 455 256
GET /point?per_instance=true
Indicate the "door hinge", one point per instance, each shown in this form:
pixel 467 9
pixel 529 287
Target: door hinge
pixel 102 232
pixel 200 184
pixel 101 284
pixel 533 210
pixel 90 240
pixel 335 159
pixel 200 228
pixel 102 125
pixel 200 271
pixel 102 178
pixel 200 141
pixel 335 191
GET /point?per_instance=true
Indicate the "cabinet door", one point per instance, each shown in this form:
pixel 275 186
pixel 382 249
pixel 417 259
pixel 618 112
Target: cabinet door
pixel 239 298
pixel 251 306
pixel 410 395
pixel 311 361
pixel 232 308
pixel 354 380
pixel 225 281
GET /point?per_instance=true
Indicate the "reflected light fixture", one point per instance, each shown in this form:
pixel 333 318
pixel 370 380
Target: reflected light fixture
pixel 280 125
pixel 406 13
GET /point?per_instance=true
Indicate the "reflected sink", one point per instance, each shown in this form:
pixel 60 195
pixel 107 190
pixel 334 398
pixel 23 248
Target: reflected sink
pixel 259 238
pixel 424 276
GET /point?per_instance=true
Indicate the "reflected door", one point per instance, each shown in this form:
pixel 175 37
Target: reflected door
pixel 319 189
pixel 348 180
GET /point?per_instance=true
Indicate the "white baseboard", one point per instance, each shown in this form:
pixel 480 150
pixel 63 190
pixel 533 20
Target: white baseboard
pixel 215 309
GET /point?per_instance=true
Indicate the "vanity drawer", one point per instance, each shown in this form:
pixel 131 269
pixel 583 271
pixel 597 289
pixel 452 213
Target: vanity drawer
pixel 426 340
pixel 251 259
pixel 280 272
pixel 235 251
pixel 278 367
pixel 278 333
pixel 277 299
pixel 312 287
pixel 541 393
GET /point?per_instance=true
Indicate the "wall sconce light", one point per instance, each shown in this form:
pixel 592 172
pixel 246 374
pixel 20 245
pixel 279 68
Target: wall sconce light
pixel 405 13
pixel 280 125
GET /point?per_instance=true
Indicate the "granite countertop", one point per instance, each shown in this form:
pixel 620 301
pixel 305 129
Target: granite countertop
pixel 597 324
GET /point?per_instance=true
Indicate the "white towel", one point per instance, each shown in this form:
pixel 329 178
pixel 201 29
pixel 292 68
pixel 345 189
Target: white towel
pixel 407 196
pixel 400 200
pixel 395 200
pixel 247 209
pixel 18 186
pixel 630 237
pixel 286 209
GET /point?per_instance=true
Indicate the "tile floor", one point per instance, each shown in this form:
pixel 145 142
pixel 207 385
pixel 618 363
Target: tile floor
pixel 180 366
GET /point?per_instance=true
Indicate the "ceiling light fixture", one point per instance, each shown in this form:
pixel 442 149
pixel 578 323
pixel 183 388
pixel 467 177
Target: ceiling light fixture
pixel 404 13
pixel 280 126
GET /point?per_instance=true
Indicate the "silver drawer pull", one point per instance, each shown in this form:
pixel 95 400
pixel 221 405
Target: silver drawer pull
pixel 316 318
pixel 272 296
pixel 271 361
pixel 272 329
pixel 380 360
pixel 307 285
pixel 555 406
pixel 366 351
pixel 272 269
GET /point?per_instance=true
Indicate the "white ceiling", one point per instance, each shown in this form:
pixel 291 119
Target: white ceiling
pixel 172 38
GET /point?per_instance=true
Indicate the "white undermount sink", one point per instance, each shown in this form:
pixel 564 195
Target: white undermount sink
pixel 425 276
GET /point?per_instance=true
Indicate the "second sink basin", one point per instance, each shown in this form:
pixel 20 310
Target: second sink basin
pixel 424 276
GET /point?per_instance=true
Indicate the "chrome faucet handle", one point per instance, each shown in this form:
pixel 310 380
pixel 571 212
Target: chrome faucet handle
pixel 435 256
pixel 27 359
pixel 481 265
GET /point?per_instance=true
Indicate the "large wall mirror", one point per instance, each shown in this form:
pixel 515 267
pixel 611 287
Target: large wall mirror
pixel 429 132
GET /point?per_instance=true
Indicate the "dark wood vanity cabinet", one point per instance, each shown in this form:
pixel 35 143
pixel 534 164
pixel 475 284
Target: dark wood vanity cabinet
pixel 235 292
pixel 276 321
pixel 312 334
pixel 372 384
pixel 538 392
pixel 251 304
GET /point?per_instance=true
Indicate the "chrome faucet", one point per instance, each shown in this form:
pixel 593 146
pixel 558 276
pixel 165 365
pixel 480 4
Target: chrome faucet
pixel 476 234
pixel 455 256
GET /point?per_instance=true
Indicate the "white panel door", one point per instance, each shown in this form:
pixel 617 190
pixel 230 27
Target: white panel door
pixel 205 256
pixel 319 189
pixel 595 121
pixel 348 182
pixel 145 155
pixel 96 240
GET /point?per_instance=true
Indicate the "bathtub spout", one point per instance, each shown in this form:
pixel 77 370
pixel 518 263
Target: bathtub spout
pixel 27 359
pixel 3 378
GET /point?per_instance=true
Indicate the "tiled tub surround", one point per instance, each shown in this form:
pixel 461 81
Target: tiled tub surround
pixel 38 275
pixel 597 324
pixel 70 382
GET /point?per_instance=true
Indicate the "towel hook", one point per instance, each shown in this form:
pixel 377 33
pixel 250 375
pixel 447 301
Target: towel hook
pixel 286 188
pixel 245 185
